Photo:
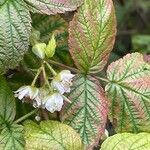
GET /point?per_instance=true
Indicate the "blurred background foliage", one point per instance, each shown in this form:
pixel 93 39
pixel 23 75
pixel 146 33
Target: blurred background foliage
pixel 133 19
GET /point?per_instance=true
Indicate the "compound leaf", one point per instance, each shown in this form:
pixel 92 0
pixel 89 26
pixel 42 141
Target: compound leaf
pixel 14 33
pixel 92 34
pixel 53 6
pixel 51 135
pixel 128 93
pixel 87 113
pixel 127 141
pixel 11 138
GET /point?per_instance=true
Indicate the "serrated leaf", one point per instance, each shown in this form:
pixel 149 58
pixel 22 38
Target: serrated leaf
pixel 128 93
pixel 14 33
pixel 92 34
pixel 51 135
pixel 53 6
pixel 127 141
pixel 11 138
pixel 88 111
pixel 7 104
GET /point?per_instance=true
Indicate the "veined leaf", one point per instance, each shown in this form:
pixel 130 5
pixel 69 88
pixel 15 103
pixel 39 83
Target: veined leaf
pixel 92 34
pixel 53 6
pixel 14 33
pixel 11 138
pixel 128 93
pixel 51 135
pixel 7 103
pixel 88 111
pixel 127 141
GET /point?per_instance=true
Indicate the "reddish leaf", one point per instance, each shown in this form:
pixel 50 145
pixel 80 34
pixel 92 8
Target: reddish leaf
pixel 53 6
pixel 128 92
pixel 87 113
pixel 92 35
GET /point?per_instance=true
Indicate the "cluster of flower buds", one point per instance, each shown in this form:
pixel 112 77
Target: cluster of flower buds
pixel 43 98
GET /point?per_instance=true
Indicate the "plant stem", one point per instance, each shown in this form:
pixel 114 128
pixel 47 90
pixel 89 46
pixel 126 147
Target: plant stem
pixel 50 68
pixel 26 116
pixel 35 78
pixel 46 79
pixel 64 66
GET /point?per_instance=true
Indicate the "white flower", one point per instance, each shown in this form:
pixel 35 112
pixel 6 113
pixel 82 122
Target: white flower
pixel 26 91
pixel 63 81
pixel 53 102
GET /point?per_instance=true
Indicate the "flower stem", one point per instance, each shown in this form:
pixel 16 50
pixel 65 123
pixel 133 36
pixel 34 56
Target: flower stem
pixel 50 68
pixel 45 78
pixel 26 116
pixel 35 78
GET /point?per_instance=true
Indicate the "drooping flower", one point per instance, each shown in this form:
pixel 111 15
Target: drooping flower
pixel 39 99
pixel 63 81
pixel 53 102
pixel 27 92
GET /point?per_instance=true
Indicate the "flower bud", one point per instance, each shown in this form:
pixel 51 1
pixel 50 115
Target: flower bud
pixel 39 50
pixel 50 49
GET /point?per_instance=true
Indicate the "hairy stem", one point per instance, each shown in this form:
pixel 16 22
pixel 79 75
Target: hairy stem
pixel 50 68
pixel 64 66
pixel 36 77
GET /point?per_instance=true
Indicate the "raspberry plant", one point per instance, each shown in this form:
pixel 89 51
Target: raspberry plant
pixel 55 64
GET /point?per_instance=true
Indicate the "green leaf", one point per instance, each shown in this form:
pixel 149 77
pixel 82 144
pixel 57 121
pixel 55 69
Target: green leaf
pixel 11 138
pixel 14 33
pixel 87 113
pixel 53 6
pixel 128 93
pixel 7 104
pixel 51 135
pixel 127 141
pixel 92 35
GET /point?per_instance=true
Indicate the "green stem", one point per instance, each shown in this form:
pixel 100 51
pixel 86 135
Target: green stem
pixel 45 78
pixel 36 77
pixel 50 68
pixel 64 66
pixel 25 116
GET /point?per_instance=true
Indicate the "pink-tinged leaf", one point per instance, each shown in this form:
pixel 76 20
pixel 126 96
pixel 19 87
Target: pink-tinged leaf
pixel 92 35
pixel 128 93
pixel 87 112
pixel 147 58
pixel 15 30
pixel 53 6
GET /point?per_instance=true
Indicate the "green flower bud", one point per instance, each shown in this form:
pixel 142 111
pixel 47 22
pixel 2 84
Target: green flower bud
pixel 39 50
pixel 50 49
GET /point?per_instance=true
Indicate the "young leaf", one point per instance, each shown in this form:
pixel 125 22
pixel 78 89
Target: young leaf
pixel 51 135
pixel 11 138
pixel 87 113
pixel 128 92
pixel 127 141
pixel 14 33
pixel 92 34
pixel 53 6
pixel 7 104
